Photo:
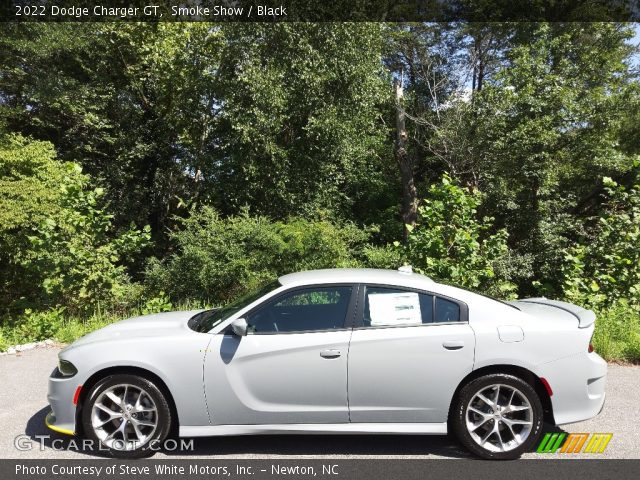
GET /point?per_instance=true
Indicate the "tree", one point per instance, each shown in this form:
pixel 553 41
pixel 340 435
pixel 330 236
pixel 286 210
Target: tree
pixel 282 117
pixel 133 103
pixel 546 126
pixel 300 128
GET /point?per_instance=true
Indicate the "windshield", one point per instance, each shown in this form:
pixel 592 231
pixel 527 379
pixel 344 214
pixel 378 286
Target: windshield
pixel 205 321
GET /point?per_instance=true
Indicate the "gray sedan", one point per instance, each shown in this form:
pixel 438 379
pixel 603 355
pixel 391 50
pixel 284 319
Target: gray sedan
pixel 341 351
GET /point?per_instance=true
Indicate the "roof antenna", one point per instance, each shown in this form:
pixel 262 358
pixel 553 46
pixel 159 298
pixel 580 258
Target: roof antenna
pixel 405 269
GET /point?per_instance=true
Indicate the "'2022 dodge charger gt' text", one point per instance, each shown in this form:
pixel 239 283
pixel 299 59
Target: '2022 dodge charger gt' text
pixel 335 351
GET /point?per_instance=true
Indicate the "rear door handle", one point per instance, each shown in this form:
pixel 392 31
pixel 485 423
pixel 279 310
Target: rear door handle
pixel 330 353
pixel 453 344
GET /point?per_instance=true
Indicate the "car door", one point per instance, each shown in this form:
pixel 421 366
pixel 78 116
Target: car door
pixel 408 353
pixel 291 367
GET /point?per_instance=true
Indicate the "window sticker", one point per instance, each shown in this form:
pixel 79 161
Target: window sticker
pixel 397 308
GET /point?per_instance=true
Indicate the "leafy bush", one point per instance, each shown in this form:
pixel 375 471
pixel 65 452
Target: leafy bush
pixel 36 326
pixel 77 256
pixel 30 180
pixel 57 242
pixel 388 256
pixel 158 304
pixel 449 242
pixel 4 342
pixel 218 258
pixel 604 268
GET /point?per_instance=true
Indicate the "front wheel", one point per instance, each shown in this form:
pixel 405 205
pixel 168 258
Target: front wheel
pixel 498 417
pixel 126 415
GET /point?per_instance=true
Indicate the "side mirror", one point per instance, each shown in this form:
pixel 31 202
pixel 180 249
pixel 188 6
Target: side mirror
pixel 239 327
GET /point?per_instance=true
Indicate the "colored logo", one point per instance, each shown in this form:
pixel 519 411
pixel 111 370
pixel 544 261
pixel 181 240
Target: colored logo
pixel 574 443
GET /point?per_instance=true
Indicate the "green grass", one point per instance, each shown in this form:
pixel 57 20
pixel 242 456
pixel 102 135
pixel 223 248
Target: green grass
pixel 617 334
pixel 54 324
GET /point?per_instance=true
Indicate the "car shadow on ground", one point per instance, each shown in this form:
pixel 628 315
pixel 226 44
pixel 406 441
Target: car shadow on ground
pixel 43 437
pixel 281 445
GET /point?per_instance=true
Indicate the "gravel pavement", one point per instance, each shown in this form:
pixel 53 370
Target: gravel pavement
pixel 23 406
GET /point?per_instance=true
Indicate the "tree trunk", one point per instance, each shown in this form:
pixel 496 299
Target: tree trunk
pixel 406 164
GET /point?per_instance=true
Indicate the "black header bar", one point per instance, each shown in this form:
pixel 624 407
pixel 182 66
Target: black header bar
pixel 319 10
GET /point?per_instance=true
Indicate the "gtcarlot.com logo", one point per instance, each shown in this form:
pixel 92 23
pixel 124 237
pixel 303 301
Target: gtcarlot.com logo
pixel 44 442
pixel 574 443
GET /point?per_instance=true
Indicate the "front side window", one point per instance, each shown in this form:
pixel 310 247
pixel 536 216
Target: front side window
pixel 205 321
pixel 302 310
pixel 389 307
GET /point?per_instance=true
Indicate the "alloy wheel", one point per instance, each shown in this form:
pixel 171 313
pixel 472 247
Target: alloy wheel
pixel 499 418
pixel 124 417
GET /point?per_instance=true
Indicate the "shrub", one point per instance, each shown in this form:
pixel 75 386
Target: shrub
pixel 77 255
pixel 388 256
pixel 35 326
pixel 604 267
pixel 219 258
pixel 158 304
pixel 30 180
pixel 58 246
pixel 4 342
pixel 451 244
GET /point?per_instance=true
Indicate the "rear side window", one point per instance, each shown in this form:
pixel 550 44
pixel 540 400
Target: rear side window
pixel 388 307
pixel 302 310
pixel 446 311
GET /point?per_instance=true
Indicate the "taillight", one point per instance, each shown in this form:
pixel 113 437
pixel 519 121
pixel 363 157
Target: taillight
pixel 590 349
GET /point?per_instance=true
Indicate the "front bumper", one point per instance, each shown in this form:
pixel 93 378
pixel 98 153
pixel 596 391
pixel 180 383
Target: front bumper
pixel 578 383
pixel 50 422
pixel 62 417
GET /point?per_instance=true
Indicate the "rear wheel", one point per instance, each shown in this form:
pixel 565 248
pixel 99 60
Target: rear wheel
pixel 498 417
pixel 126 415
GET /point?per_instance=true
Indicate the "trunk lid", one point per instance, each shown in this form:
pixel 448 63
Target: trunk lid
pixel 543 307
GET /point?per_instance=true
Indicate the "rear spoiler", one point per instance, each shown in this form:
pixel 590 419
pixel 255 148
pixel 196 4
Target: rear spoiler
pixel 585 317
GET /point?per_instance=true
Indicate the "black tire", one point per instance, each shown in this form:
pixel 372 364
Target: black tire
pixel 458 419
pixel 162 411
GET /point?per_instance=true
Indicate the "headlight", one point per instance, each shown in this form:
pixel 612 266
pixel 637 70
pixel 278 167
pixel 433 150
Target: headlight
pixel 66 368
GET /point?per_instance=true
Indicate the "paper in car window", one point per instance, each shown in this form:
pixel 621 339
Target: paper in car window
pixel 398 308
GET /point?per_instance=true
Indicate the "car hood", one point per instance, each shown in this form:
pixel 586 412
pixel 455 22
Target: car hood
pixel 168 323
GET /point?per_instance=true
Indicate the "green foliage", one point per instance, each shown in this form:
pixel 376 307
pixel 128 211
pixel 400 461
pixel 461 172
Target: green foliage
pixel 451 244
pixel 605 267
pixel 158 304
pixel 29 178
pixel 284 117
pixel 617 334
pixel 36 326
pixel 218 258
pixel 301 125
pixel 30 194
pixel 58 242
pixel 388 256
pixel 4 342
pixel 544 129
pixel 296 122
pixel 77 257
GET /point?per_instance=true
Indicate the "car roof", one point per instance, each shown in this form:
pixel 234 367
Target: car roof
pixel 356 275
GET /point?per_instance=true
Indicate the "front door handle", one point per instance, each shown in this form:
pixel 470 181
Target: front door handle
pixel 330 353
pixel 453 344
